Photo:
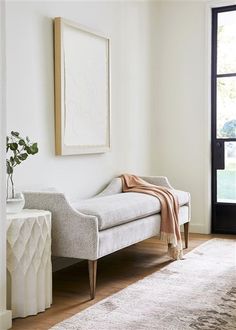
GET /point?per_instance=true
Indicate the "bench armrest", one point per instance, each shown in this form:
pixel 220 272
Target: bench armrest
pixel 74 234
pixel 115 186
pixel 164 182
pixel 158 181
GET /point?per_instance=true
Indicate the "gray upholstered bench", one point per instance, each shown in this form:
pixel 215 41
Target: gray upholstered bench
pixel 112 220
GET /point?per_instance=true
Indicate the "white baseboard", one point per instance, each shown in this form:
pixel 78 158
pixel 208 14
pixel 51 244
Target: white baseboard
pixel 5 320
pixel 198 228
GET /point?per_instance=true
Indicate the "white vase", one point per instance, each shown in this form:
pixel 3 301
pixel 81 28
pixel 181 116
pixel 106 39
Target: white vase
pixel 15 205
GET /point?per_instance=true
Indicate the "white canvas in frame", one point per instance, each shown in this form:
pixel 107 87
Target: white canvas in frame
pixel 82 89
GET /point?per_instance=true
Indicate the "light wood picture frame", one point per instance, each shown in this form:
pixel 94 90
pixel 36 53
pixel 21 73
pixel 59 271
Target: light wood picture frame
pixel 82 89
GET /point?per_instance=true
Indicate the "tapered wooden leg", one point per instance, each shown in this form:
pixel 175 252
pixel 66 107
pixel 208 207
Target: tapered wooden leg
pixel 186 234
pixel 92 266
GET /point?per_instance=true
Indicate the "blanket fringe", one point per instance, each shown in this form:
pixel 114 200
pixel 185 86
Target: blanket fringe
pixel 175 249
pixel 175 252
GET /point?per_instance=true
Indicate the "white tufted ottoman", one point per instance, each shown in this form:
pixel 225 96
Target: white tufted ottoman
pixel 29 268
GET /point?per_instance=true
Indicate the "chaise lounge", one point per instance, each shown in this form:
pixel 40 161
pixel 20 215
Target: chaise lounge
pixel 112 220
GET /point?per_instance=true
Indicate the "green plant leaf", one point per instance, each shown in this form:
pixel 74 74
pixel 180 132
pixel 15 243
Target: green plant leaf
pixel 34 148
pixel 13 146
pixel 23 156
pixel 28 149
pixel 16 134
pixel 21 142
pixel 17 160
pixel 9 168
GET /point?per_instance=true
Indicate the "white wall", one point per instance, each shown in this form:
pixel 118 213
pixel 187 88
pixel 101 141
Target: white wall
pixel 181 126
pixel 5 316
pixel 160 95
pixel 30 91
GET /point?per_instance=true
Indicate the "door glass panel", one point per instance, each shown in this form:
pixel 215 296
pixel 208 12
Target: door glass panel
pixel 226 179
pixel 226 41
pixel 226 107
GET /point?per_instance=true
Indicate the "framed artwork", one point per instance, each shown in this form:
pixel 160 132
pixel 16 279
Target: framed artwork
pixel 82 89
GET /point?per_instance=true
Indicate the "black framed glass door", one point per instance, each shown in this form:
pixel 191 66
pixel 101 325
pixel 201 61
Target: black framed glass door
pixel 224 119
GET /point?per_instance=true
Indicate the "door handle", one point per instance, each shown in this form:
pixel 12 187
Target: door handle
pixel 219 155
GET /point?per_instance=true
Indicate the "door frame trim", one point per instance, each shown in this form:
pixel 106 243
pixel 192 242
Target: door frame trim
pixel 213 93
pixel 204 226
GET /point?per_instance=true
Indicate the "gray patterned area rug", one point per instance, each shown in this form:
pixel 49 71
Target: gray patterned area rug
pixel 198 292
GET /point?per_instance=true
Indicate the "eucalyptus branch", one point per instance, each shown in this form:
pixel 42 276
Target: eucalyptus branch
pixel 20 149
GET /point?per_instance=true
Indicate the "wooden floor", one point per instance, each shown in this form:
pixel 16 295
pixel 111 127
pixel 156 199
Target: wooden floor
pixel 115 272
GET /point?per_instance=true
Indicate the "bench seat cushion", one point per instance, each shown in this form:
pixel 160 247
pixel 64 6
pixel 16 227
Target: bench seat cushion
pixel 114 210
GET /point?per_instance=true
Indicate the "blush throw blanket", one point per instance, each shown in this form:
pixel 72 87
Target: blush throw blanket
pixel 170 229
